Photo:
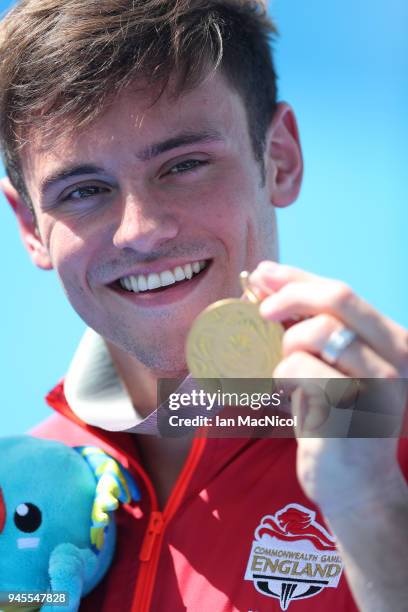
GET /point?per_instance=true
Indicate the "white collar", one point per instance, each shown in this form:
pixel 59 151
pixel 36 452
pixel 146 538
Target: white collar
pixel 96 394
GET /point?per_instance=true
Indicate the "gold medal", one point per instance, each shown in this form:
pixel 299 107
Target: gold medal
pixel 230 339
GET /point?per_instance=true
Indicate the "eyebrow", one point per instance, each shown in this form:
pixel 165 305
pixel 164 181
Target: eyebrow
pixel 69 172
pixel 186 137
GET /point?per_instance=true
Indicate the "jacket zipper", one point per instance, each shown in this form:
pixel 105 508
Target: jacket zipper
pixel 150 552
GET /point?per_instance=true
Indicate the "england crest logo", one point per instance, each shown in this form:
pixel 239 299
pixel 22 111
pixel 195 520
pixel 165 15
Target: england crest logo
pixel 293 556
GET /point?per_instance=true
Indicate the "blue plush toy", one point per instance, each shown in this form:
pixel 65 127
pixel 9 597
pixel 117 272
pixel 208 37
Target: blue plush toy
pixel 56 528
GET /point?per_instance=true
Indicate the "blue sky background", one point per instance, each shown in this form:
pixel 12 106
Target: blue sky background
pixel 343 66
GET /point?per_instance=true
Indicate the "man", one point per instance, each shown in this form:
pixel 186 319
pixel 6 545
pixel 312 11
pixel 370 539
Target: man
pixel 146 155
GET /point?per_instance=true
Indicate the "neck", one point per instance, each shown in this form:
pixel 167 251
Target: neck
pixel 163 458
pixel 140 381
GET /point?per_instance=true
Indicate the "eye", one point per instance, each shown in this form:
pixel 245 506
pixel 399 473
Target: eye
pixel 27 517
pixel 84 192
pixel 186 166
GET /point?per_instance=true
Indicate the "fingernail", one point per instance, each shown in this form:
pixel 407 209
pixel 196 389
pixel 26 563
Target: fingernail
pixel 266 311
pixel 268 266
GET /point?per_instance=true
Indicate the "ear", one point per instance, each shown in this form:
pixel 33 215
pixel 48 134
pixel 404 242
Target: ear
pixel 29 232
pixel 284 162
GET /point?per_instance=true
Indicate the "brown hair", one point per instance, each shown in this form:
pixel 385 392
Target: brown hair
pixel 62 61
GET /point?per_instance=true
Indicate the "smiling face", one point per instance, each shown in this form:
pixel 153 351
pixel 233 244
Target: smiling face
pixel 147 196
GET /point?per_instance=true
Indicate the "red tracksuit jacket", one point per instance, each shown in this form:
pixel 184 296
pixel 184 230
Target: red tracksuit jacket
pixel 237 532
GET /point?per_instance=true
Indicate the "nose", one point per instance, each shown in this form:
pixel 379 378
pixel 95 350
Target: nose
pixel 2 511
pixel 144 226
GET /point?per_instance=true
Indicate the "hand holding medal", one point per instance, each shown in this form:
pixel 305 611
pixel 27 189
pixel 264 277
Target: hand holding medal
pixel 230 339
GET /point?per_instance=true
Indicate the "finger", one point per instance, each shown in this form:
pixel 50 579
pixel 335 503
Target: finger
pixel 270 276
pixel 298 368
pixel 299 375
pixel 325 387
pixel 357 359
pixel 301 364
pixel 301 298
pixel 311 412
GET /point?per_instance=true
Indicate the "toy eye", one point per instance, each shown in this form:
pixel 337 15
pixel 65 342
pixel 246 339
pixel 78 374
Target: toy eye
pixel 27 517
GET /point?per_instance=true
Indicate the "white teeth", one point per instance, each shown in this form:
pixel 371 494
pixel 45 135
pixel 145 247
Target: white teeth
pixel 126 283
pixel 165 278
pixel 188 271
pixel 142 282
pixel 133 281
pixel 153 281
pixel 179 274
